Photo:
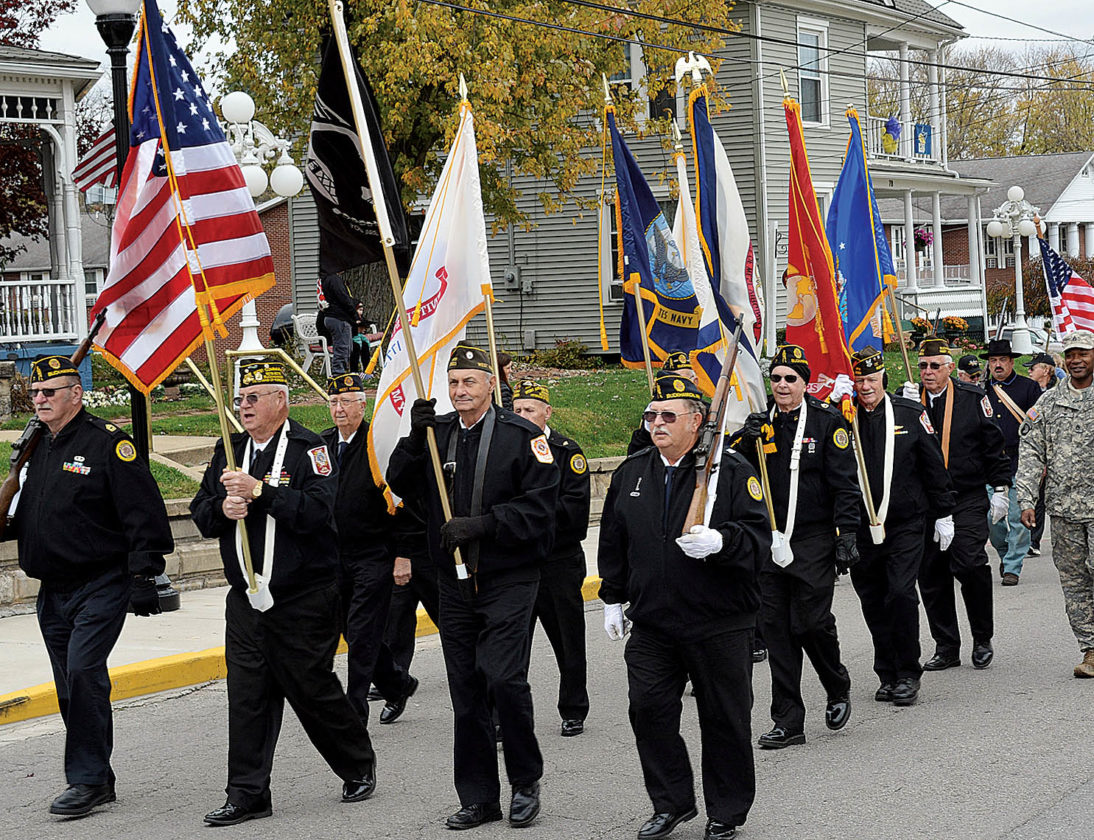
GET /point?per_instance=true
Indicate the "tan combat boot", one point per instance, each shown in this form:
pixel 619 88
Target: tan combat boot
pixel 1086 667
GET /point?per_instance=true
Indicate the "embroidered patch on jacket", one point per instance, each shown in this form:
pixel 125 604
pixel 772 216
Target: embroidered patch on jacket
pixel 125 450
pixel 925 421
pixel 840 439
pixel 110 427
pixel 542 451
pixel 320 460
pixel 754 488
pixel 985 405
pixel 578 464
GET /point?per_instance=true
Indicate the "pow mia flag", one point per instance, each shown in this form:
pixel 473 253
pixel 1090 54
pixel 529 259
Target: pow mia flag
pixel 348 233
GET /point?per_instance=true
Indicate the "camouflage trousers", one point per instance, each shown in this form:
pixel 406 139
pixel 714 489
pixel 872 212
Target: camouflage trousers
pixel 1073 554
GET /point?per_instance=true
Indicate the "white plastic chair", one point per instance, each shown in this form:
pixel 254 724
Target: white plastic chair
pixel 311 343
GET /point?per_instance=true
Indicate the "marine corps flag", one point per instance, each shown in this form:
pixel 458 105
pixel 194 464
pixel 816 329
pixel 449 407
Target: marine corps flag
pixel 335 169
pixel 813 318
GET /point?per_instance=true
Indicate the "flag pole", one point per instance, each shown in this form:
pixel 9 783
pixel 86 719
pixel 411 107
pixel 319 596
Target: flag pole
pixel 899 329
pixel 877 529
pixel 371 366
pixel 388 240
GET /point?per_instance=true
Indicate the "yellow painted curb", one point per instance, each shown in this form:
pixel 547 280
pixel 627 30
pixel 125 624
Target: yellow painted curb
pixel 176 671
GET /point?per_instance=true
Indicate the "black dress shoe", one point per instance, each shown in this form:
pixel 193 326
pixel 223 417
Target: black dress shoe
pixel 472 816
pixel 374 695
pixel 759 654
pixel 718 830
pixel 78 800
pixel 982 655
pixel 356 790
pixel 941 661
pixel 837 713
pixel 524 807
pixel 661 825
pixel 229 814
pixel 906 692
pixel 780 737
pixel 884 693
pixel 572 727
pixel 394 708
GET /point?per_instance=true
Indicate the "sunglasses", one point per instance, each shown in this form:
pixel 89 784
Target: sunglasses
pixel 931 365
pixel 250 399
pixel 666 416
pixel 48 393
pixel 790 378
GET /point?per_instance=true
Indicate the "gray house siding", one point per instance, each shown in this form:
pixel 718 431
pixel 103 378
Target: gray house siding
pixel 304 246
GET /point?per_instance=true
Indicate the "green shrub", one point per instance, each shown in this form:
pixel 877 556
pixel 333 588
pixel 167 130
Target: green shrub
pixel 567 354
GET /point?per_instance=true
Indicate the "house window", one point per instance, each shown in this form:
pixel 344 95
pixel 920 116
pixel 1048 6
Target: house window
pixel 896 243
pixel 633 77
pixel 613 290
pixel 992 252
pixel 813 71
pixel 91 282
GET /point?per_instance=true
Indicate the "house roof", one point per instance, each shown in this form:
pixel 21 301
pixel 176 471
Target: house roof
pixel 12 53
pixel 36 257
pixel 919 9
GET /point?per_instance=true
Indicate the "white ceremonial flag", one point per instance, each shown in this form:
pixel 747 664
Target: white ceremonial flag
pixel 448 281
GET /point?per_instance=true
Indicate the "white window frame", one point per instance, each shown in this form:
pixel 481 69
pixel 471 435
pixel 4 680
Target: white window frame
pixel 634 77
pixel 612 291
pixel 819 28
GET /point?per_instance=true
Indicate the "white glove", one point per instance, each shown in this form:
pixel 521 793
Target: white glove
pixel 700 542
pixel 943 532
pixel 1000 505
pixel 844 387
pixel 615 624
pixel 910 391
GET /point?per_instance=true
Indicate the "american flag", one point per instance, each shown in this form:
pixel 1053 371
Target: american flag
pixel 1071 296
pixel 99 165
pixel 186 231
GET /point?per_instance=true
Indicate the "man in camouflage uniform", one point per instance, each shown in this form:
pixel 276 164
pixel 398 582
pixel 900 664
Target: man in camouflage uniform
pixel 1055 441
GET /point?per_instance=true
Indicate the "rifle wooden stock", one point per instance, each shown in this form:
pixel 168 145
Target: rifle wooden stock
pixel 24 447
pixel 708 435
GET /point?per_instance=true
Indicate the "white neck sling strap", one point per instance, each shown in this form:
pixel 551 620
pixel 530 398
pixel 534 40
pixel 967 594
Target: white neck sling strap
pixel 262 600
pixel 878 534
pixel 780 546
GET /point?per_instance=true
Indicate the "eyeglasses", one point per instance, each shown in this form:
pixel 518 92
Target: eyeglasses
pixel 931 365
pixel 338 402
pixel 250 399
pixel 790 378
pixel 666 416
pixel 48 393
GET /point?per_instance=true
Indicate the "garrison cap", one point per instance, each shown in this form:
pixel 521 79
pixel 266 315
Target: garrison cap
pixel 669 386
pixel 934 347
pixel 262 373
pixel 676 360
pixel 469 357
pixel 969 364
pixel 49 367
pixel 1079 340
pixel 528 390
pixel 346 383
pixel 866 361
pixel 793 357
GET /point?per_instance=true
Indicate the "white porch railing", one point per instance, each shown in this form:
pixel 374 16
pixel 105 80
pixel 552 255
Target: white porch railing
pixel 909 146
pixel 952 275
pixel 38 310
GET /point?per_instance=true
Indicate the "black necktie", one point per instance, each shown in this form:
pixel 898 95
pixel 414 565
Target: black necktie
pixel 669 473
pixel 341 451
pixel 257 467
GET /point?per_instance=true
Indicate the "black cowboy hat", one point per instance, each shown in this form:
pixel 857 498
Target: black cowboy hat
pixel 999 347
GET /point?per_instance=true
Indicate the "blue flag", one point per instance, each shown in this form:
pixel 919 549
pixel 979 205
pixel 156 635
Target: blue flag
pixel 860 250
pixel 652 265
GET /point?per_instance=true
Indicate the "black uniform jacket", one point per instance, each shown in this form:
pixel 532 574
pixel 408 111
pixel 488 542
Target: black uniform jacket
pixel 574 494
pixel 640 561
pixel 520 489
pixel 89 505
pixel 1025 392
pixel 340 304
pixel 976 444
pixel 365 528
pixel 828 492
pixel 921 486
pixel 305 549
pixel 640 439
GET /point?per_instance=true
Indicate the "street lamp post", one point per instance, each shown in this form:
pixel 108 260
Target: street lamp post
pixel 1014 218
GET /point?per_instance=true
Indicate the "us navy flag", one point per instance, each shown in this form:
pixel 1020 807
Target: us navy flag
pixel 348 233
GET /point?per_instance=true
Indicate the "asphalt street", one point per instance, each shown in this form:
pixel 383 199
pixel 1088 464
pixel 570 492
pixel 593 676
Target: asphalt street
pixel 1000 753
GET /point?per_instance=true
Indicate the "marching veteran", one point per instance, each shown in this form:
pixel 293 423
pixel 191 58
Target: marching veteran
pixel 693 601
pixel 502 483
pixel 560 607
pixel 1056 442
pixel 814 492
pixel 92 527
pixel 678 362
pixel 279 639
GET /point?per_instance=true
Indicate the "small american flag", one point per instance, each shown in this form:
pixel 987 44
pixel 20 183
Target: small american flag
pixel 1071 296
pixel 99 165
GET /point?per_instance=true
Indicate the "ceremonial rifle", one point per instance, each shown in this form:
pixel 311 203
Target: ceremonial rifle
pixel 709 433
pixel 24 447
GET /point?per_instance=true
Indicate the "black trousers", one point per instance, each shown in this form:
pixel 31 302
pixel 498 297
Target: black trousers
pixel 366 597
pixel 885 581
pixel 796 617
pixel 486 646
pixel 80 628
pixel 720 668
pixel 966 561
pixel 286 653
pixel 402 619
pixel 561 610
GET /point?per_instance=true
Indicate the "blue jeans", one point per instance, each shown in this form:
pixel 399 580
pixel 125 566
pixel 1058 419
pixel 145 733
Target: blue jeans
pixel 1009 536
pixel 341 343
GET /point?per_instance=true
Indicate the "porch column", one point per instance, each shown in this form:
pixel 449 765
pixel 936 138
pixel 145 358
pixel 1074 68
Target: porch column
pixel 937 257
pixel 974 243
pixel 1054 236
pixel 1089 240
pixel 932 82
pixel 905 104
pixel 943 140
pixel 1073 239
pixel 909 244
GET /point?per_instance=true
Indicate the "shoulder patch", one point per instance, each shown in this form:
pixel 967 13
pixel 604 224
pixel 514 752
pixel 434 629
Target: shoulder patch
pixel 125 451
pixel 542 450
pixel 755 490
pixel 320 460
pixel 110 427
pixel 1033 413
pixel 578 463
pixel 840 439
pixel 925 422
pixel 985 406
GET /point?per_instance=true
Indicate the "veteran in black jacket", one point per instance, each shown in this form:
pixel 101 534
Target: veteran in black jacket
pixel 502 483
pixel 693 601
pixel 972 449
pixel 811 438
pixel 92 527
pixel 560 606
pixel 913 497
pixel 280 640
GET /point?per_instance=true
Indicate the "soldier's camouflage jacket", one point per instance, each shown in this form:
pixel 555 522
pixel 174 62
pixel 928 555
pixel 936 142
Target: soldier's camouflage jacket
pixel 1059 437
